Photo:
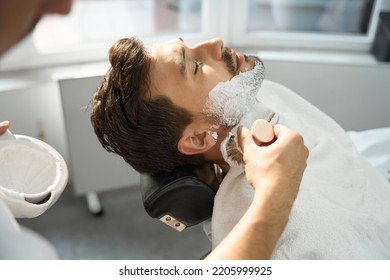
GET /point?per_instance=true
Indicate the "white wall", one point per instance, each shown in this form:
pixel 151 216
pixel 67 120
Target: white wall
pixel 356 96
pixel 34 109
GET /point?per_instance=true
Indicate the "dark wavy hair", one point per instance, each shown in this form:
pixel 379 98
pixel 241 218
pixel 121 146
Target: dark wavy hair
pixel 129 122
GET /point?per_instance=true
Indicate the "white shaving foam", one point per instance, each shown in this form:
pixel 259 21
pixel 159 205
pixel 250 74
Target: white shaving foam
pixel 229 101
pixel 214 134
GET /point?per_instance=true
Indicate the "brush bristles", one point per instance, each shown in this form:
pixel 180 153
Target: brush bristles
pixel 233 152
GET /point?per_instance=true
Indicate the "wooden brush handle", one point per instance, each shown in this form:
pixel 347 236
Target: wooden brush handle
pixel 263 131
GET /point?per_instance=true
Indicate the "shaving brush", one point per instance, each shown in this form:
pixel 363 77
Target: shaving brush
pixel 262 131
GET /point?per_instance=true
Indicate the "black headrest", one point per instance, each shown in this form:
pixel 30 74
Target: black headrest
pixel 181 198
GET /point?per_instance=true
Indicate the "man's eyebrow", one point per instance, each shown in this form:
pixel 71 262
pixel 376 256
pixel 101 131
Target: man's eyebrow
pixel 183 62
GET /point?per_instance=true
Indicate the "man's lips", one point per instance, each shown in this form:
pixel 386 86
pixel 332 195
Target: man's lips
pixel 239 60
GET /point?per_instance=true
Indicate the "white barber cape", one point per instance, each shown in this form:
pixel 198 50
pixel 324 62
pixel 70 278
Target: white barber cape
pixel 342 210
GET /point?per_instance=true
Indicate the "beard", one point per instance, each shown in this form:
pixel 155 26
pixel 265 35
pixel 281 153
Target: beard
pixel 229 101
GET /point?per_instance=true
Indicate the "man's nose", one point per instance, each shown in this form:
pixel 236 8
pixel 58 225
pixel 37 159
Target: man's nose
pixel 211 47
pixel 62 7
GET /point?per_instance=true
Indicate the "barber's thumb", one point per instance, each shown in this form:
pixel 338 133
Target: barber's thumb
pixel 4 123
pixel 4 126
pixel 244 136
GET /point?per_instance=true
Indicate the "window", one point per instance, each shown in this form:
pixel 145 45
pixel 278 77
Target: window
pixel 312 24
pixel 324 16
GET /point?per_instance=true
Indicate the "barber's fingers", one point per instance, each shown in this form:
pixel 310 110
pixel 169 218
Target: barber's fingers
pixel 245 138
pixel 284 137
pixel 281 131
pixel 291 144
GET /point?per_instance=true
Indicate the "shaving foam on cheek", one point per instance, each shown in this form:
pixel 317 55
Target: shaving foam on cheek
pixel 233 103
pixel 214 134
pixel 229 101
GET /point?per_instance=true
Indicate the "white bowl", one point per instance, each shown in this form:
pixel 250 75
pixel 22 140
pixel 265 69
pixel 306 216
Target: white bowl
pixel 32 175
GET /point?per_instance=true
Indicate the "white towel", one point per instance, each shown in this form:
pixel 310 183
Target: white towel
pixel 374 145
pixel 342 210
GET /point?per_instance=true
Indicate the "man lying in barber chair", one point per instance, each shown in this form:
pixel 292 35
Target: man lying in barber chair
pixel 168 107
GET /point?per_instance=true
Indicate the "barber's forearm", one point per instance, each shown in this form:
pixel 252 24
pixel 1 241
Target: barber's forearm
pixel 254 236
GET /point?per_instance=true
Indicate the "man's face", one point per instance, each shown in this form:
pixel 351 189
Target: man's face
pixel 187 74
pixel 19 17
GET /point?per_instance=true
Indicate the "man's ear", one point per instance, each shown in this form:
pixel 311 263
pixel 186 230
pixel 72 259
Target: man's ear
pixel 192 144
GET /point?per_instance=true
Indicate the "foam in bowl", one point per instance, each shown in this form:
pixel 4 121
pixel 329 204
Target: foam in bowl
pixel 32 175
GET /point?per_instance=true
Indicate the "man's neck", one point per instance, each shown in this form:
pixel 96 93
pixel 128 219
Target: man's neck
pixel 214 154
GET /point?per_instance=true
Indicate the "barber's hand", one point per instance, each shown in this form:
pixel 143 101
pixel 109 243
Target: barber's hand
pixel 275 170
pixel 4 126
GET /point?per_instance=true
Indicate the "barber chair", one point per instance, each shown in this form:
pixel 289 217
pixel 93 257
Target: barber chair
pixel 183 197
